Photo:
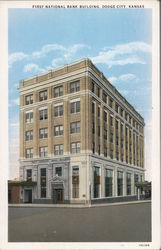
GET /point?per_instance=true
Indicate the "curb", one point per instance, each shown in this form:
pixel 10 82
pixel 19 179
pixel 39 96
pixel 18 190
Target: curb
pixel 76 206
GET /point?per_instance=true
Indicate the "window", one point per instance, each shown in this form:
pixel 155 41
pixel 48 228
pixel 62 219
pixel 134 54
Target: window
pixel 58 171
pixel 136 180
pixel 99 149
pixel 126 116
pixel 93 127
pixel 93 147
pixel 108 182
pixel 29 174
pixel 98 92
pixel 29 117
pixel 93 107
pixel 117 140
pixel 58 149
pixel 43 114
pixel 105 151
pixel 58 130
pixel 111 120
pixel 105 134
pixel 75 127
pixel 117 124
pixel 128 183
pixel 75 182
pixel 29 153
pixel 111 137
pixel 105 116
pixel 111 153
pixel 99 112
pixel 43 182
pixel 121 112
pixel 75 147
pixel 92 86
pixel 117 108
pixel 28 99
pixel 119 183
pixel 43 151
pixel 99 130
pixel 58 110
pixel 110 102
pixel 75 107
pixel 43 95
pixel 74 86
pixel 104 97
pixel 96 181
pixel 29 135
pixel 43 133
pixel 58 91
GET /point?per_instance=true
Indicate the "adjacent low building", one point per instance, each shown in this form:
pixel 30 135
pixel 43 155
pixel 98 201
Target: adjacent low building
pixel 80 139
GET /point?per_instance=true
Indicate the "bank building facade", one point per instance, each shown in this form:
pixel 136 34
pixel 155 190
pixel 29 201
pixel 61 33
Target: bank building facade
pixel 80 139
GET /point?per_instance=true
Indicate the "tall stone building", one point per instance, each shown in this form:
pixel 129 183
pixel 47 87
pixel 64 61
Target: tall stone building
pixel 80 139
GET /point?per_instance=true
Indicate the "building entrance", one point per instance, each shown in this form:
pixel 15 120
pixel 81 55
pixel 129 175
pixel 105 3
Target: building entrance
pixel 57 195
pixel 28 196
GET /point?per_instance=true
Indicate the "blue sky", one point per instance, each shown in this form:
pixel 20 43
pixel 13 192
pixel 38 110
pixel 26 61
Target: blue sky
pixel 118 41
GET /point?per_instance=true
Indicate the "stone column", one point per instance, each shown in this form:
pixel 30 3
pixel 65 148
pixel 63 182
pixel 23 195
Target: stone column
pixel 36 133
pixel 83 123
pixel 96 127
pixel 66 128
pixel 50 131
pixel 124 141
pixel 114 137
pixel 101 130
pixel 132 157
pixel 22 134
pixel 119 138
pixel 124 183
pixel 108 135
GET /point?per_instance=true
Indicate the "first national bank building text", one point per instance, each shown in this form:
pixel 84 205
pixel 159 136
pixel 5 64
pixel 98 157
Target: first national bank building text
pixel 80 139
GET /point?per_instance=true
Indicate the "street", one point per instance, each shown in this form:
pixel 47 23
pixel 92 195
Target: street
pixel 115 223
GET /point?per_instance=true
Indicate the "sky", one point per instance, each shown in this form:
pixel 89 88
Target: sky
pixel 118 41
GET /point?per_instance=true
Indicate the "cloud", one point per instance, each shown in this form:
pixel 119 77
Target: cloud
pixel 122 78
pixel 122 54
pixel 67 51
pixel 14 57
pixel 32 67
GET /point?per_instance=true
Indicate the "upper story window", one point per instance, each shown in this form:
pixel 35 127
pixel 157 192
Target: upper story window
pixel 111 120
pixel 74 86
pixel 98 111
pixel 126 116
pixel 29 135
pixel 58 91
pixel 104 97
pixel 117 108
pixel 43 151
pixel 98 92
pixel 58 130
pixel 58 110
pixel 121 112
pixel 29 174
pixel 29 117
pixel 43 133
pixel 93 107
pixel 58 149
pixel 28 99
pixel 75 127
pixel 43 114
pixel 29 153
pixel 43 95
pixel 75 147
pixel 110 102
pixel 75 107
pixel 105 116
pixel 58 171
pixel 92 86
pixel 117 124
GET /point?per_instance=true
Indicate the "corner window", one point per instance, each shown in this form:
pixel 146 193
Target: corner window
pixel 29 117
pixel 29 135
pixel 28 99
pixel 74 86
pixel 96 182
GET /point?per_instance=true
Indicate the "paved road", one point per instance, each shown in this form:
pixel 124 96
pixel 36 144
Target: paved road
pixel 117 223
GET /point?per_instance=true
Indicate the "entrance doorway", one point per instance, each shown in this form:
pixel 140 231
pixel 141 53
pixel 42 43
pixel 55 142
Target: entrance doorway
pixel 57 195
pixel 28 196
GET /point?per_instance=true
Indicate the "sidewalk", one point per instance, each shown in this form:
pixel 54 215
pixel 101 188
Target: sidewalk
pixel 78 205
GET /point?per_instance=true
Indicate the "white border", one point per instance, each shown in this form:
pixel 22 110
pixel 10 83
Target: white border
pixel 155 244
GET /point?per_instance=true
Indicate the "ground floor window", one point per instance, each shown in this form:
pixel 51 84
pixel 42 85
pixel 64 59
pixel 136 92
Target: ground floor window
pixel 96 182
pixel 119 183
pixel 108 182
pixel 75 182
pixel 43 182
pixel 136 180
pixel 128 183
